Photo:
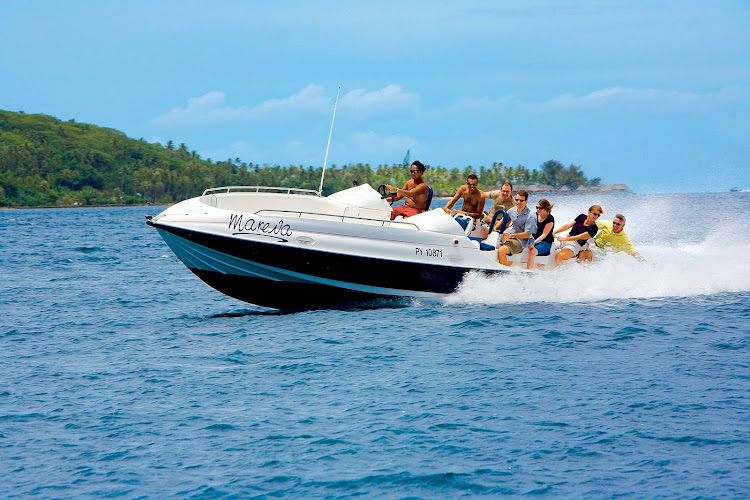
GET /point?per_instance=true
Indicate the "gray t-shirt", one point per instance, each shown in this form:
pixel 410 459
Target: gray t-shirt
pixel 524 222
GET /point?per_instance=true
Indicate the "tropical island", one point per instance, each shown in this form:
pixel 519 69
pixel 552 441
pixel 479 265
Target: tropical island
pixel 48 162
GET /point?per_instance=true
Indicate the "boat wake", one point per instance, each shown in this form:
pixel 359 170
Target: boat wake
pixel 711 267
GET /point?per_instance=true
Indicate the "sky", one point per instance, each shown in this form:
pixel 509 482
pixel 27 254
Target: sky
pixel 655 95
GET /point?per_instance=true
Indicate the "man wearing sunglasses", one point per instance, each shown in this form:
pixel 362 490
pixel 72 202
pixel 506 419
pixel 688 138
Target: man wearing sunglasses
pixel 612 235
pixel 473 200
pixel 415 191
pixel 521 228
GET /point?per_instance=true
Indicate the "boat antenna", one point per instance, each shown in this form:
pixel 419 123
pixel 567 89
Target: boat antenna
pixel 320 189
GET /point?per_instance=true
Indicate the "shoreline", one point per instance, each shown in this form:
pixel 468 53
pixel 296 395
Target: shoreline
pixel 535 190
pixel 545 188
pixel 88 206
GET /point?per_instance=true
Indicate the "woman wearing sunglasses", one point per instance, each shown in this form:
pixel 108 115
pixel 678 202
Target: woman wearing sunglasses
pixel 581 229
pixel 543 237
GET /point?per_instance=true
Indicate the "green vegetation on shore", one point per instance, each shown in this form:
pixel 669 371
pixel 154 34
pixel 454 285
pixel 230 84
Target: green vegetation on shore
pixel 48 162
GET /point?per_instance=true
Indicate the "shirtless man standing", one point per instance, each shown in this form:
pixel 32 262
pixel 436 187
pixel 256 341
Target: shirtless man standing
pixel 415 191
pixel 473 199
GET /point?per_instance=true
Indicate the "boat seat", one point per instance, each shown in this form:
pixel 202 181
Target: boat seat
pixel 463 221
pixel 429 198
pixel 485 247
pixel 493 239
pixel 467 223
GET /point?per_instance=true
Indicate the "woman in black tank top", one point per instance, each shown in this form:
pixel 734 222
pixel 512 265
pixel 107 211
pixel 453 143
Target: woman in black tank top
pixel 543 237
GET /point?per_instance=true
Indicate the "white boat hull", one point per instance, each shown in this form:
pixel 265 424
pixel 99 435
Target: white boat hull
pixel 290 251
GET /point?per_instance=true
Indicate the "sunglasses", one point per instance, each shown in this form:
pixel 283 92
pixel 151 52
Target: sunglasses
pixel 414 171
pixel 539 208
pixel 616 224
pixel 471 184
pixel 597 215
pixel 520 200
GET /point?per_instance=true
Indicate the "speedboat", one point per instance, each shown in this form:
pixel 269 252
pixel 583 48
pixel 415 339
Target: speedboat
pixel 289 248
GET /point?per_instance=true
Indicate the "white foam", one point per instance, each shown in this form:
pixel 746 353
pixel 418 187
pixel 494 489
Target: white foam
pixel 715 265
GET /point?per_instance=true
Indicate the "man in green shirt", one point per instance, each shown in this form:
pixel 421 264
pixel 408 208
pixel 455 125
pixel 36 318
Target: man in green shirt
pixel 612 235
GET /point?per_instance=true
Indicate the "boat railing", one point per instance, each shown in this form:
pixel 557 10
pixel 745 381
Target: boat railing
pixel 259 189
pixel 338 218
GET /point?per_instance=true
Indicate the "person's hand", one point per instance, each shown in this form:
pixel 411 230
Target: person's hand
pixel 391 188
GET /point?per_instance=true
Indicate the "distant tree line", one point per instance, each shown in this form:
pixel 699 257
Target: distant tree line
pixel 48 162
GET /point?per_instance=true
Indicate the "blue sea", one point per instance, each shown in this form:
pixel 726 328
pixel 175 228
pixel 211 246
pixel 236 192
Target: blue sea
pixel 123 375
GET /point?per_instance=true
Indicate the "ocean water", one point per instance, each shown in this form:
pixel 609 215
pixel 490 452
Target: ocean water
pixel 123 375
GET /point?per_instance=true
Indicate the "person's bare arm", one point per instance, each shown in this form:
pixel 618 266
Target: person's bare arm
pixel 547 229
pixel 405 192
pixel 564 227
pixel 394 189
pixel 453 201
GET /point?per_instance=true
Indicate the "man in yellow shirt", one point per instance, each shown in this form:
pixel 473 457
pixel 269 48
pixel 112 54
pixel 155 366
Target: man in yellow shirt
pixel 612 235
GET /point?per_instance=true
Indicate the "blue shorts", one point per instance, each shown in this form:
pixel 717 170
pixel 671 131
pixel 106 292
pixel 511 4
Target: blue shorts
pixel 543 247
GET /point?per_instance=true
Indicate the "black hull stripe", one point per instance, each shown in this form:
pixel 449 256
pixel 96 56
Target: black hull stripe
pixel 284 295
pixel 327 265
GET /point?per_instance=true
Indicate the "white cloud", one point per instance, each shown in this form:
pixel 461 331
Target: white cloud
pixel 309 99
pixel 212 108
pixel 607 100
pixel 369 143
pixel 637 100
pixel 360 103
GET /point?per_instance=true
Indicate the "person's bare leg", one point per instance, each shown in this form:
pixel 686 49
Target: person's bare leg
pixel 502 255
pixel 532 255
pixel 562 255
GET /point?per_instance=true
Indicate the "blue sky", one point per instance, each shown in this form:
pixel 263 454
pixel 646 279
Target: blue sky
pixel 655 95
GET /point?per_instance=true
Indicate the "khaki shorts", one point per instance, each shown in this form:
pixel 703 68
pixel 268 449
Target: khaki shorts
pixel 514 246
